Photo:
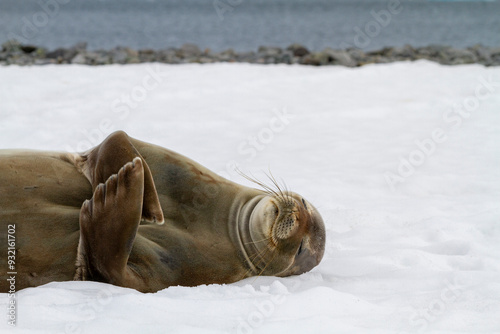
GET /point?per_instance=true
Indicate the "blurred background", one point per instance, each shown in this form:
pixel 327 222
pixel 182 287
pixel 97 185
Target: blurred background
pixel 244 25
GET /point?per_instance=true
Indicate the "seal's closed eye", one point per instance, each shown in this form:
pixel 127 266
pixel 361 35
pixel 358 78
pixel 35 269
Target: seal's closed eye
pixel 304 202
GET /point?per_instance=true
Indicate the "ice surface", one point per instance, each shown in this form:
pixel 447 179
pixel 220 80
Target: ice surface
pixel 402 160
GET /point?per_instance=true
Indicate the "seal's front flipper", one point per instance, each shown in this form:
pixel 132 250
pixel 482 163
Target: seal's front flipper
pixel 106 159
pixel 108 227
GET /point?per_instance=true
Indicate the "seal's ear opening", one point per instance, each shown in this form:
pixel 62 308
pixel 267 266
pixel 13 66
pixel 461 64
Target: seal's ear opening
pixel 106 159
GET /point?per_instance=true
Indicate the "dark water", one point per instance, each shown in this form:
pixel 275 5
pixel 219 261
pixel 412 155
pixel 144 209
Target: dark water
pixel 244 25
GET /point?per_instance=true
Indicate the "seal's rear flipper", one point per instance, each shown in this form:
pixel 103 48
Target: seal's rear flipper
pixel 106 159
pixel 108 227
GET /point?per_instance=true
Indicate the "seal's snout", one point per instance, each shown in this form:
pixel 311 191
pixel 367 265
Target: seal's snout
pixel 286 222
pixel 307 236
pixel 286 227
pixel 288 235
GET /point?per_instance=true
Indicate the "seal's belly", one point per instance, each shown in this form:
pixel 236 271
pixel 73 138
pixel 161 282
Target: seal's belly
pixel 41 195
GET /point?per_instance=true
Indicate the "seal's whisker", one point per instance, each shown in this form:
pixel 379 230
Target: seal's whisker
pixel 266 188
pixel 281 193
pixel 254 242
pixel 284 195
pixel 260 254
pixel 270 176
pixel 262 271
pixel 247 273
pixel 288 192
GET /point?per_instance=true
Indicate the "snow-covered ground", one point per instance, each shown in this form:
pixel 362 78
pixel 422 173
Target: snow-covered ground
pixel 402 160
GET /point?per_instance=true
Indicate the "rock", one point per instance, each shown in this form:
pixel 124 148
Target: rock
pixel 133 56
pixel 270 55
pixel 62 55
pixel 357 54
pixel 79 59
pixel 40 53
pixel 339 57
pixel 270 60
pixel 246 57
pixel 390 54
pixel 145 56
pixel 132 53
pixel 190 50
pixel 22 60
pixel 11 46
pixel 28 48
pixel 148 52
pixel 298 50
pixel 99 57
pixel 446 55
pixel 495 57
pixel 166 56
pixel 423 52
pixel 329 57
pixel 205 60
pixel 433 52
pixel 44 61
pixel 402 53
pixel 266 51
pixel 315 59
pixel 285 58
pixel 382 52
pixel 118 56
pixel 56 54
pixel 81 46
pixel 458 57
pixel 381 60
pixel 226 56
pixel 66 55
pixel 482 53
pixel 13 52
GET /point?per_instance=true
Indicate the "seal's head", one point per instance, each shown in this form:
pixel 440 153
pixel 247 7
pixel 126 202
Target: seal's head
pixel 287 235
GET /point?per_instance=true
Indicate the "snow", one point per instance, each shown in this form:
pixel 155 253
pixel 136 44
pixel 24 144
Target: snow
pixel 400 159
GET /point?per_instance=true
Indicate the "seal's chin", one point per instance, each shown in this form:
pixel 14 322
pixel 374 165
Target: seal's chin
pixel 288 235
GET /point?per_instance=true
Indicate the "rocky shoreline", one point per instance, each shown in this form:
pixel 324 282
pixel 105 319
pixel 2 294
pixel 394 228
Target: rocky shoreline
pixel 15 53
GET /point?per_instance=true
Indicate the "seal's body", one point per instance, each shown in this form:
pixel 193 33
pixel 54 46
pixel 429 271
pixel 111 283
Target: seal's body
pixel 150 219
pixel 40 197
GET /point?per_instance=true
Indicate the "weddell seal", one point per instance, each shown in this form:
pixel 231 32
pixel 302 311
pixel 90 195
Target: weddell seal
pixel 150 219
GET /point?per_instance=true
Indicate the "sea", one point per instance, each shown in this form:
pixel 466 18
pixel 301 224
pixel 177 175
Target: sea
pixel 245 25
